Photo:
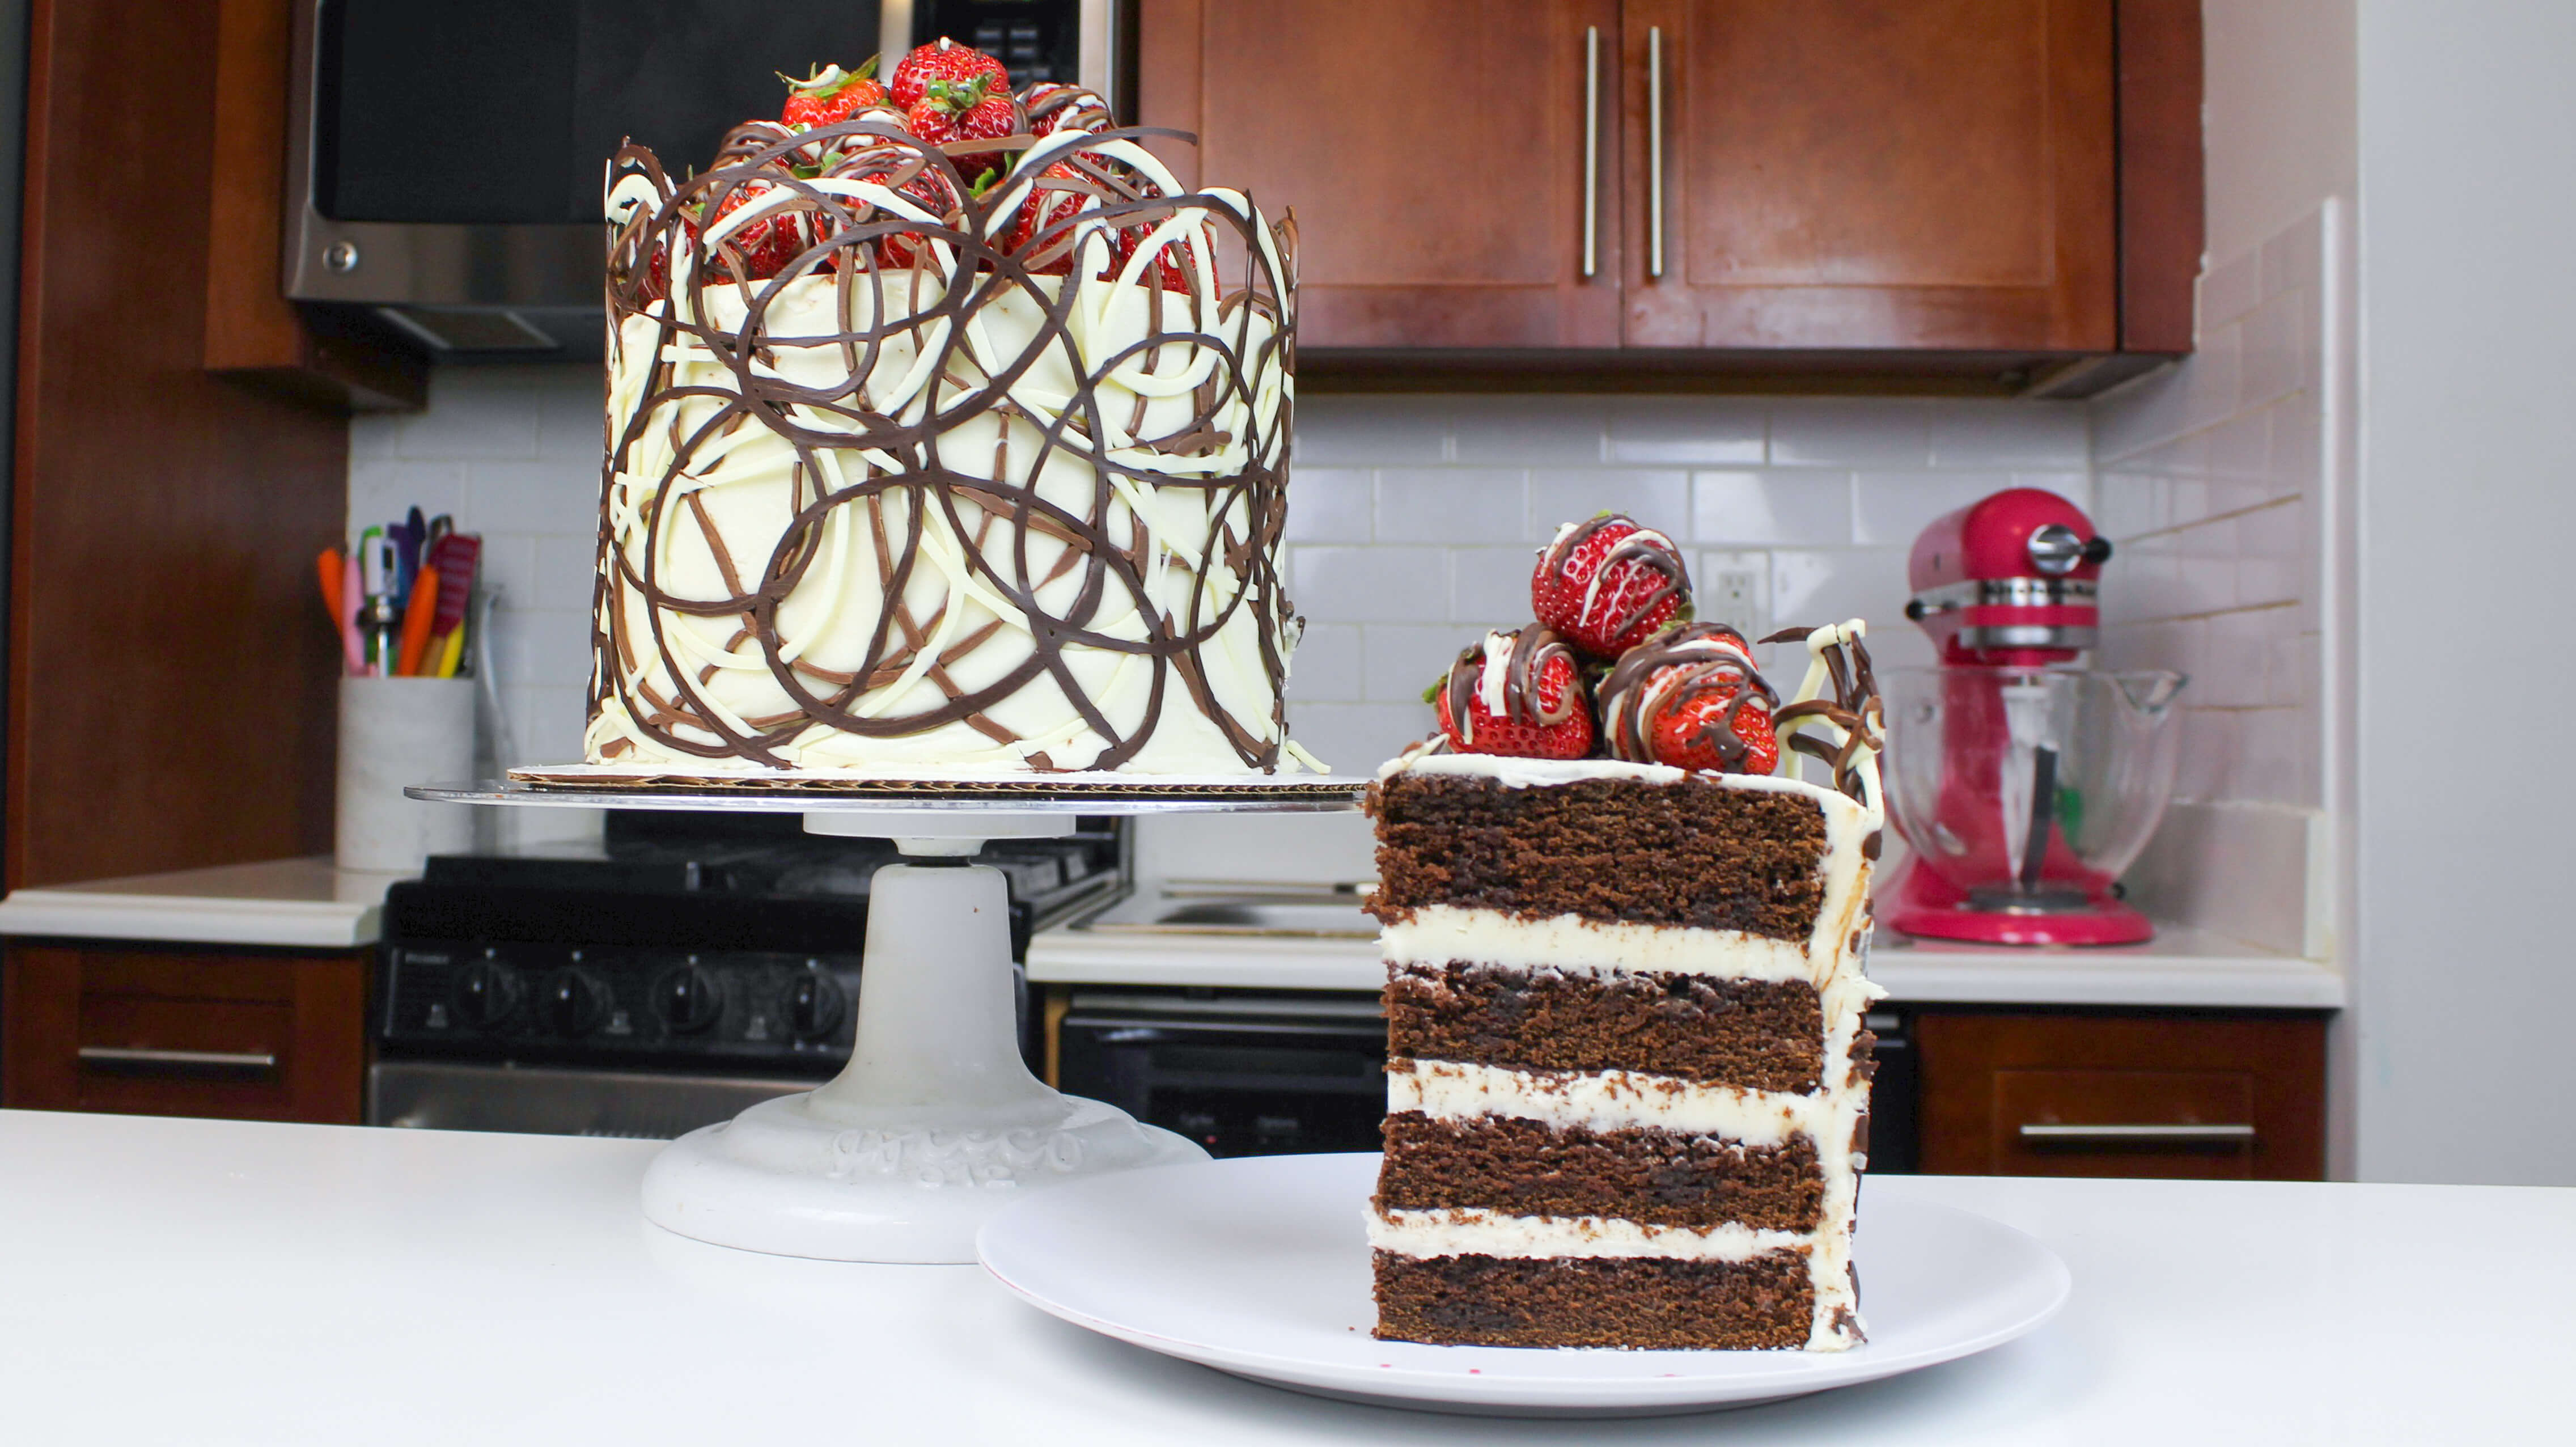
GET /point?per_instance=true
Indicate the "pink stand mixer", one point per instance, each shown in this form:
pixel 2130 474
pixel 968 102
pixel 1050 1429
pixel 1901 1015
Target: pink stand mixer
pixel 2022 784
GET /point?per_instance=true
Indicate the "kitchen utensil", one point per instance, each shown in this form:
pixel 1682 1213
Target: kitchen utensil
pixel 352 596
pixel 457 557
pixel 409 537
pixel 2016 840
pixel 416 619
pixel 1259 1266
pixel 2023 793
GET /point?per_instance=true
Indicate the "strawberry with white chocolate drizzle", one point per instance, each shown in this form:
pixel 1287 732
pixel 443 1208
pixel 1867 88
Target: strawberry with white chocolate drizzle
pixel 1691 698
pixel 1608 584
pixel 1518 694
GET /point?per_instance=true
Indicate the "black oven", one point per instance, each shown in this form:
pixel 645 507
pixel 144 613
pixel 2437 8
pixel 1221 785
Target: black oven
pixel 445 158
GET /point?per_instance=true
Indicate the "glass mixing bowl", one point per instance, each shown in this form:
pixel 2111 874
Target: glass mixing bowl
pixel 1983 761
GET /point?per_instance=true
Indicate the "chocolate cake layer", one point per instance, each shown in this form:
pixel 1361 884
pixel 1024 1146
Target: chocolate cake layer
pixel 1759 1035
pixel 1654 1177
pixel 1693 853
pixel 1643 1302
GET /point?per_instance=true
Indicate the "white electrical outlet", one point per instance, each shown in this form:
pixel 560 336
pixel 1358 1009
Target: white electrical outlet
pixel 1734 589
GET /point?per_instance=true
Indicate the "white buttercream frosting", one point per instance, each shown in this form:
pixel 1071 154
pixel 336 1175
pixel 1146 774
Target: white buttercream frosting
pixel 1470 1231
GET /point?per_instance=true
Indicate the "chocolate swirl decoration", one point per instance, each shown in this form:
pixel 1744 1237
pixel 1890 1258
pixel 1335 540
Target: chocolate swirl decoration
pixel 1669 668
pixel 1854 710
pixel 934 495
pixel 1507 667
pixel 1643 547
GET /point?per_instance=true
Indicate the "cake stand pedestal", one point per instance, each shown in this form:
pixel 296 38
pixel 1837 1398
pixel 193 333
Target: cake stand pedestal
pixel 936 1123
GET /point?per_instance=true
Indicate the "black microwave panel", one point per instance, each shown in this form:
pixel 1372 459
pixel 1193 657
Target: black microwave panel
pixel 497 112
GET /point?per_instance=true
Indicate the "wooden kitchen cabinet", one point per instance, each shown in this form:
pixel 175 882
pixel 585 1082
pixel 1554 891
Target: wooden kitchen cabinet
pixel 2182 1095
pixel 151 1030
pixel 1434 154
pixel 1999 194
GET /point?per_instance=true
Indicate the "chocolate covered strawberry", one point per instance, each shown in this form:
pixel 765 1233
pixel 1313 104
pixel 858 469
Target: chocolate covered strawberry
pixel 1518 694
pixel 1041 234
pixel 1608 584
pixel 1055 106
pixel 1691 698
pixel 832 95
pixel 941 60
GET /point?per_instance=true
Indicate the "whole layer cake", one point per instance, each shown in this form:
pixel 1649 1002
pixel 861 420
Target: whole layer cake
pixel 945 437
pixel 1628 1076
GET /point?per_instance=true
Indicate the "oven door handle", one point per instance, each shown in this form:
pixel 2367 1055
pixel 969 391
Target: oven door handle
pixel 1215 1027
pixel 138 1058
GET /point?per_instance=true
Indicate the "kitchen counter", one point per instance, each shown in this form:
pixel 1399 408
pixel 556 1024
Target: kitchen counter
pixel 2181 967
pixel 287 903
pixel 228 1282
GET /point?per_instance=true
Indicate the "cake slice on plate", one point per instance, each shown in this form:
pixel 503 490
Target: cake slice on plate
pixel 1628 1084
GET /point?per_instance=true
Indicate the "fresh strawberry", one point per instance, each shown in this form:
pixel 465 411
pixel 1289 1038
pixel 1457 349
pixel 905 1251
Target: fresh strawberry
pixel 1168 262
pixel 1517 694
pixel 1607 584
pixel 942 59
pixel 1691 730
pixel 829 95
pixel 761 249
pixel 1690 697
pixel 973 110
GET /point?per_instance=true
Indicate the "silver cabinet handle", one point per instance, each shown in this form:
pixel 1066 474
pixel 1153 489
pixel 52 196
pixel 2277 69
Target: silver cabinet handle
pixel 2138 1134
pixel 1655 151
pixel 198 1059
pixel 1591 150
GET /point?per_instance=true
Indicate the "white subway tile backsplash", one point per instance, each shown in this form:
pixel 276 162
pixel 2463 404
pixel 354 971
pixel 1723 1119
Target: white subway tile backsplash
pixel 530 497
pixel 1892 507
pixel 1828 585
pixel 2294 258
pixel 1405 658
pixel 1733 588
pixel 382 488
pixel 1689 430
pixel 1656 499
pixel 2274 361
pixel 509 564
pixel 1360 585
pixel 1807 509
pixel 1368 431
pixel 2016 435
pixel 566 568
pixel 2231 289
pixel 1490 587
pixel 1832 432
pixel 1354 738
pixel 1570 431
pixel 571 421
pixel 1330 504
pixel 1451 505
pixel 1326 665
pixel 544 646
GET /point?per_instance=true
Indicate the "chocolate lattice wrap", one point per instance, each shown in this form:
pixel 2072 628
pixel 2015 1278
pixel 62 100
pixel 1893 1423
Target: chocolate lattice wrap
pixel 936 495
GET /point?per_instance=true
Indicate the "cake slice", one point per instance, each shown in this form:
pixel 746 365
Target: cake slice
pixel 1628 1084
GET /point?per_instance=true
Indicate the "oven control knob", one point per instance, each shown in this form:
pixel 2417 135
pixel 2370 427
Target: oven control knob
pixel 573 1002
pixel 688 999
pixel 486 993
pixel 814 1006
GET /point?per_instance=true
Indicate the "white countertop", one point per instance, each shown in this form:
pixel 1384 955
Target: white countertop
pixel 2181 967
pixel 289 903
pixel 223 1282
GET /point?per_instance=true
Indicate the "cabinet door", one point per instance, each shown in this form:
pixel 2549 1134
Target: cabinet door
pixel 168 1032
pixel 1872 174
pixel 2093 1095
pixel 1434 153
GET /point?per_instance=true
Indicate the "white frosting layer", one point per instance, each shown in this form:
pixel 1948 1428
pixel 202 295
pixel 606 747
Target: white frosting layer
pixel 1474 1232
pixel 1440 934
pixel 1604 1100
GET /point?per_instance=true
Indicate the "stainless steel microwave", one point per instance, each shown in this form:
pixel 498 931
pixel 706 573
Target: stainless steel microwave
pixel 444 155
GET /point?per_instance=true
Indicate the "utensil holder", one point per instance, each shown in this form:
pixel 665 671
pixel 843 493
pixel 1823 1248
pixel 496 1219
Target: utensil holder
pixel 395 732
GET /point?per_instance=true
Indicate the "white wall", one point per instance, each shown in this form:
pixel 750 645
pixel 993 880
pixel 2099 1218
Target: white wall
pixel 2467 511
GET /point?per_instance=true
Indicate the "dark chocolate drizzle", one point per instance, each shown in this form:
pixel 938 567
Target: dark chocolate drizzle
pixel 1649 679
pixel 850 239
pixel 1644 547
pixel 1854 708
pixel 1531 648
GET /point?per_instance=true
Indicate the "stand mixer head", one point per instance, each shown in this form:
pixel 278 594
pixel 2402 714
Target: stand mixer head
pixel 2024 785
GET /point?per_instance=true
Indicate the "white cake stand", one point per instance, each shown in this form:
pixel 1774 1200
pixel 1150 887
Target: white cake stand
pixel 936 1123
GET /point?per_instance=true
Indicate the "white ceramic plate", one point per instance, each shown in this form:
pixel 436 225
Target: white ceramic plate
pixel 1260 1267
